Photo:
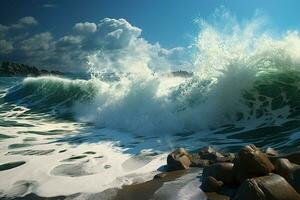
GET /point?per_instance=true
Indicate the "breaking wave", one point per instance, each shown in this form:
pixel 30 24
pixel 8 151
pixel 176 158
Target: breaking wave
pixel 240 78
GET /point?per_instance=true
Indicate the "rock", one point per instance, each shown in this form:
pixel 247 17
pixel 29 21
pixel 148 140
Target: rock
pixel 252 163
pixel 210 184
pixel 206 150
pixel 283 167
pixel 293 157
pixel 178 160
pixel 271 152
pixel 196 161
pixel 181 151
pixel 294 178
pixel 272 187
pixel 16 69
pixel 220 171
pixel 230 157
pixel 208 153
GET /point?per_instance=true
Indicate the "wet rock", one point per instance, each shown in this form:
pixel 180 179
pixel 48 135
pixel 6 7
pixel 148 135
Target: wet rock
pixel 178 160
pixel 294 178
pixel 283 167
pixel 210 184
pixel 293 157
pixel 252 163
pixel 220 171
pixel 230 157
pixel 273 187
pixel 208 153
pixel 271 152
pixel 197 161
pixel 206 150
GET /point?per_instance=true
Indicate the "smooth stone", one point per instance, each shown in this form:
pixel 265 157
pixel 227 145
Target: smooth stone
pixel 253 163
pixel 196 161
pixel 294 178
pixel 293 157
pixel 271 152
pixel 210 184
pixel 272 187
pixel 208 153
pixel 220 171
pixel 178 160
pixel 283 167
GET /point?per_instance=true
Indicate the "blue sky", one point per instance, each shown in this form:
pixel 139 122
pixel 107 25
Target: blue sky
pixel 170 23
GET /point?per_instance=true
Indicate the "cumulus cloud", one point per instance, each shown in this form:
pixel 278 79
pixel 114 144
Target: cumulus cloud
pixel 25 22
pixel 38 42
pixel 5 47
pixel 3 28
pixel 120 43
pixel 22 23
pixel 85 27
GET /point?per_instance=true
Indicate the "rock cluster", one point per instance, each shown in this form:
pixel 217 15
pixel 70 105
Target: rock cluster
pixel 250 175
pixel 15 69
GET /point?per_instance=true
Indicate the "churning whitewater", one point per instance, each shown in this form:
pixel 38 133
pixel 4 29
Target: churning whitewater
pixel 115 125
pixel 236 80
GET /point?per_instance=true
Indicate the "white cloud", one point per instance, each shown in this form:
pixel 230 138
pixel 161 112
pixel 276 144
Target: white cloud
pixel 38 42
pixel 85 27
pixel 6 47
pixel 3 28
pixel 24 22
pixel 121 44
pixel 28 21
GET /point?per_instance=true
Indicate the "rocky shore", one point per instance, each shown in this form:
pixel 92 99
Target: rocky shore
pixel 250 175
pixel 8 69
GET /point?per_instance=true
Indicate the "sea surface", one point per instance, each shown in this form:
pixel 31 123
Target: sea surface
pixel 82 134
pixel 114 126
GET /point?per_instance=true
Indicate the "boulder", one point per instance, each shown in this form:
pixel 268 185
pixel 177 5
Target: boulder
pixel 197 161
pixel 178 160
pixel 208 153
pixel 253 162
pixel 272 187
pixel 293 157
pixel 294 178
pixel 283 167
pixel 210 184
pixel 220 171
pixel 271 152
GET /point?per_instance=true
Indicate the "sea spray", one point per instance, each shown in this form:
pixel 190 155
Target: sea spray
pixel 240 78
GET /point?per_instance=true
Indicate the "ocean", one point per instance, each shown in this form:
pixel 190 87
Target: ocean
pixel 89 133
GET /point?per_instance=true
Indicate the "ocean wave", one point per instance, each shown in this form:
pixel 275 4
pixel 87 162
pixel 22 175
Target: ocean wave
pixel 240 78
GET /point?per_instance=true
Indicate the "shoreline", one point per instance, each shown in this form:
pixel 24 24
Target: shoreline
pixel 219 175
